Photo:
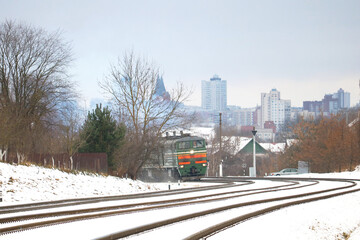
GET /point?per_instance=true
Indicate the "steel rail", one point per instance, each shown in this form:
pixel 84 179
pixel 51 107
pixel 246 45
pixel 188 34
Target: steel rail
pixel 232 222
pixel 98 215
pixel 151 226
pixel 79 201
pixel 166 203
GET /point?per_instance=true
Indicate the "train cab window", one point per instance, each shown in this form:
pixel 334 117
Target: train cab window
pixel 183 145
pixel 198 144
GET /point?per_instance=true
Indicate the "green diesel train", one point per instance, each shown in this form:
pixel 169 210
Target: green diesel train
pixel 180 157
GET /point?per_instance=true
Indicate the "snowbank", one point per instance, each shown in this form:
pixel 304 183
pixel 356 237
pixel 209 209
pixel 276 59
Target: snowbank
pixel 32 183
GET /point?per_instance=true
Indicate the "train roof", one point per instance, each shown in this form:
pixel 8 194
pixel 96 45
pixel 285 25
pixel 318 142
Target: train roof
pixel 185 137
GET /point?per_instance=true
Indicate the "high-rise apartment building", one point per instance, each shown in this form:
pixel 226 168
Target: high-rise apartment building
pixel 214 94
pixel 343 98
pixel 274 109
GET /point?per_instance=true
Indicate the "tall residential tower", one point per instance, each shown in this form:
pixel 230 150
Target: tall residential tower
pixel 213 94
pixel 274 109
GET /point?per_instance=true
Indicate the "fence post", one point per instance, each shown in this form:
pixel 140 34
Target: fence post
pixel 18 158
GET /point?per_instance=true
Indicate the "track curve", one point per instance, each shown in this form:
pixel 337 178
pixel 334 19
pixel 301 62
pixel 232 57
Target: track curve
pixel 230 189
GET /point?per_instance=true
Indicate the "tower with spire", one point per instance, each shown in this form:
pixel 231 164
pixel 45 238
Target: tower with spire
pixel 160 88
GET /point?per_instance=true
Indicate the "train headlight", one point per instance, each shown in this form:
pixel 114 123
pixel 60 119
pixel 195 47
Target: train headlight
pixel 204 164
pixel 181 166
pixel 191 151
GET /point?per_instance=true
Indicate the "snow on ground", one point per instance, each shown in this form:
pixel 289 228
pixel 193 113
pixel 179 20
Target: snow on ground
pixel 332 219
pixel 335 218
pixel 21 184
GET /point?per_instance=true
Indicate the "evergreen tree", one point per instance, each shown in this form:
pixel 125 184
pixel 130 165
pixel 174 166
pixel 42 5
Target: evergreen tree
pixel 101 133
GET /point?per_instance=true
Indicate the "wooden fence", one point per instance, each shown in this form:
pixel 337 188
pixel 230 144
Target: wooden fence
pixel 92 162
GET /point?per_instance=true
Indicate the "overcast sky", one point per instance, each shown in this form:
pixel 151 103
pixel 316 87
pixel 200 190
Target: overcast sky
pixel 304 49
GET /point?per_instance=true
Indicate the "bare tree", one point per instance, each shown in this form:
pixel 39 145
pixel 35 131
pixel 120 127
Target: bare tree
pixel 132 86
pixel 34 84
pixel 67 133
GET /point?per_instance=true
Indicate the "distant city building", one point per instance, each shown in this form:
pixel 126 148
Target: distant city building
pixel 295 113
pixel 331 104
pixel 305 114
pixel 265 134
pixel 214 94
pixel 343 98
pixel 315 107
pixel 270 125
pixel 257 116
pixel 245 117
pixel 274 109
pixel 242 116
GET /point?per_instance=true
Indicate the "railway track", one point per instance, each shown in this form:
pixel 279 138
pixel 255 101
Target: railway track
pixel 226 224
pixel 232 189
pixel 118 209
pixel 80 201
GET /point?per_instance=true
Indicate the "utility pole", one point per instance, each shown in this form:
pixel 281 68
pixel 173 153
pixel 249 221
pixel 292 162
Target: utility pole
pixel 359 121
pixel 220 151
pixel 254 151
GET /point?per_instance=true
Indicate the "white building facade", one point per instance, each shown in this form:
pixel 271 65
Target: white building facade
pixel 274 109
pixel 214 94
pixel 244 116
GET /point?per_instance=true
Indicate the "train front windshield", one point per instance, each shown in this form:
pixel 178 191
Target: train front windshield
pixel 191 144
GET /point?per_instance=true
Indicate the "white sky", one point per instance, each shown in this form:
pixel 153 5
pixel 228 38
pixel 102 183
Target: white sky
pixel 304 49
